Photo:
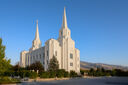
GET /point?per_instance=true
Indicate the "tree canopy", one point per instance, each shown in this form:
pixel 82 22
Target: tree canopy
pixel 4 63
pixel 36 66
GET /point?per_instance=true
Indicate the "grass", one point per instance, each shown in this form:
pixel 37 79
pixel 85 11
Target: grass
pixel 7 80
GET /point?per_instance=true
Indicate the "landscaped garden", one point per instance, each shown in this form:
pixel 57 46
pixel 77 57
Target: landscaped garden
pixel 14 73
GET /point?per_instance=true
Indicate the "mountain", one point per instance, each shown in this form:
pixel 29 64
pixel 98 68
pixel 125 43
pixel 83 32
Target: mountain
pixel 87 65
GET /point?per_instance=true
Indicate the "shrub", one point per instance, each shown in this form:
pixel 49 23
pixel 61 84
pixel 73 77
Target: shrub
pixel 82 72
pixel 66 74
pixel 60 73
pixel 73 74
pixel 28 73
pixel 52 74
pixel 44 75
pixel 9 73
pixel 33 75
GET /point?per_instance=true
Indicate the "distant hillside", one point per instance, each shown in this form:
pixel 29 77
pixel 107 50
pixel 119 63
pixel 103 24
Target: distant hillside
pixel 87 66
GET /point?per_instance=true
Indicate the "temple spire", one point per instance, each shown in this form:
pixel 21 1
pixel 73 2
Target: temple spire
pixel 64 23
pixel 37 31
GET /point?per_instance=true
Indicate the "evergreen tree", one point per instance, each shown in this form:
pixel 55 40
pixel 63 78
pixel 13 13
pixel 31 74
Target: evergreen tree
pixel 4 63
pixel 53 64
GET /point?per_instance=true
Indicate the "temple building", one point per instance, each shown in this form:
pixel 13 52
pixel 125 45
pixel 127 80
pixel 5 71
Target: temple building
pixel 63 49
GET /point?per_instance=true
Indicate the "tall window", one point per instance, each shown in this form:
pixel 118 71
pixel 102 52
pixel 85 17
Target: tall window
pixel 40 56
pixel 28 59
pixel 71 55
pixel 61 32
pixel 47 52
pixel 47 62
pixel 36 56
pixel 33 57
pixel 71 64
pixel 43 56
pixel 56 53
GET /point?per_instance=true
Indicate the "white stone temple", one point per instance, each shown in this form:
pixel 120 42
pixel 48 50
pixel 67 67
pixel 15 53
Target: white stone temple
pixel 63 49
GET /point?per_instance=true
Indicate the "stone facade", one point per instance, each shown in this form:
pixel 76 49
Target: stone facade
pixel 63 49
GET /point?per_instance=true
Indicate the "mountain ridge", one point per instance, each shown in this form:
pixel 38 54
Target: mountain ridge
pixel 88 65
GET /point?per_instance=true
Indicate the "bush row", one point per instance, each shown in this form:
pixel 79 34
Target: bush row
pixel 60 73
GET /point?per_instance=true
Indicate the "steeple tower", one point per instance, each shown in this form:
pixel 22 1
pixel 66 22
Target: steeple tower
pixel 64 32
pixel 37 32
pixel 36 42
pixel 64 23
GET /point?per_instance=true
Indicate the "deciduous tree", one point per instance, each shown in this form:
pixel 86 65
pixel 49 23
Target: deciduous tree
pixel 36 66
pixel 4 63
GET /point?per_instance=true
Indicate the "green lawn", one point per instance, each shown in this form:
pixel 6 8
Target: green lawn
pixel 7 80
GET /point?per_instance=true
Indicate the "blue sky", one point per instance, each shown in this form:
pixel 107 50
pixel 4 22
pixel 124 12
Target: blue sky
pixel 99 27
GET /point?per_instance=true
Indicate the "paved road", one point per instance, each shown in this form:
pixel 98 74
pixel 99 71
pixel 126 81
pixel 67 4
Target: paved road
pixel 82 81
